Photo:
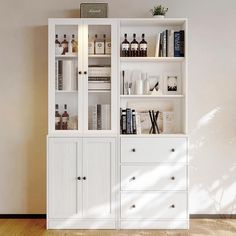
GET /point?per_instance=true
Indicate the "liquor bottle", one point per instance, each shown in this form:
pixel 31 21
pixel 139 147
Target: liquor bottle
pixel 57 118
pixel 90 45
pixel 134 47
pixel 57 43
pixel 99 45
pixel 64 44
pixel 65 118
pixel 125 46
pixel 74 44
pixel 104 41
pixel 143 47
pixel 95 40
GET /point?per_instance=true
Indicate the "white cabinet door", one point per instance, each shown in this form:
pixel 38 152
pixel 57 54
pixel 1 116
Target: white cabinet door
pixel 98 177
pixel 63 170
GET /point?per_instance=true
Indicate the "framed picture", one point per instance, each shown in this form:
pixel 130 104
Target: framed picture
pixel 172 84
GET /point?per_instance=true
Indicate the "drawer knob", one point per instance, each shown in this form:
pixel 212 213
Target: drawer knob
pixel 84 178
pixel 133 150
pixel 80 72
pixel 133 178
pixel 172 150
pixel 133 206
pixel 173 178
pixel 79 178
pixel 172 206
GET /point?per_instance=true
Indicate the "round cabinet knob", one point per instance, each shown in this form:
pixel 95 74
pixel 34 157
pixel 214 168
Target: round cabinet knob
pixel 133 206
pixel 133 150
pixel 172 150
pixel 85 72
pixel 133 178
pixel 80 72
pixel 172 206
pixel 84 178
pixel 79 178
pixel 173 178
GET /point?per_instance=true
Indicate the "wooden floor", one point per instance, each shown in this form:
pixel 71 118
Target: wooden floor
pixel 36 227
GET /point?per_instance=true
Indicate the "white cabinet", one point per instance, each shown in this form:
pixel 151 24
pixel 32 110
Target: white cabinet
pixel 81 180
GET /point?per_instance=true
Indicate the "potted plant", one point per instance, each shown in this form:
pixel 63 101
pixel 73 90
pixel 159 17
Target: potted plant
pixel 159 11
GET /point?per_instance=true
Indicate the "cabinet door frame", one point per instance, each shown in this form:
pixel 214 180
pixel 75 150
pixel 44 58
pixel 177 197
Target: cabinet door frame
pixel 113 149
pixel 114 73
pixel 78 166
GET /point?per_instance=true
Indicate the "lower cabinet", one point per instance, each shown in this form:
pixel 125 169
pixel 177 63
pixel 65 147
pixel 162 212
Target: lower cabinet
pixel 81 183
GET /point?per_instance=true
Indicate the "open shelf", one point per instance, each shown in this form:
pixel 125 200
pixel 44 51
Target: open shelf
pixel 70 56
pixel 66 91
pixel 99 56
pixel 152 59
pixel 150 96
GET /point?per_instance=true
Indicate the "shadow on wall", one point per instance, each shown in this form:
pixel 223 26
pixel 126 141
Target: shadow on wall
pixel 36 169
pixel 213 188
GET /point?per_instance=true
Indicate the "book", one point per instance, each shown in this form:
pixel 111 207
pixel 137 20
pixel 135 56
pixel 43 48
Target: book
pixel 170 43
pixel 164 44
pixel 157 51
pixel 182 43
pixel 60 75
pixel 177 44
pixel 134 127
pixel 128 121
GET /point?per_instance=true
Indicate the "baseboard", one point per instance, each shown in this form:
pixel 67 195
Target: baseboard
pixel 22 216
pixel 213 216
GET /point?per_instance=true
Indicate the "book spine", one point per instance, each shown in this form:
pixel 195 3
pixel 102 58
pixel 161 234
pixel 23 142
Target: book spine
pixel 60 72
pixel 56 75
pixel 128 121
pixel 164 44
pixel 99 116
pixel 171 43
pixel 94 118
pixel 123 122
pixel 134 126
pixel 177 44
pixel 182 43
pixel 167 43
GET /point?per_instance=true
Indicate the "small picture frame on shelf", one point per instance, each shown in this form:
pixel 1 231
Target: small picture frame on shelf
pixel 172 84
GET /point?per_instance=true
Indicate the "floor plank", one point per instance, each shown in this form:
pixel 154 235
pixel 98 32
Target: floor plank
pixel 198 227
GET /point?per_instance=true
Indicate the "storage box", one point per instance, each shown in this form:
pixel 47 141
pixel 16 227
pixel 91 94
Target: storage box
pixel 99 71
pixel 93 10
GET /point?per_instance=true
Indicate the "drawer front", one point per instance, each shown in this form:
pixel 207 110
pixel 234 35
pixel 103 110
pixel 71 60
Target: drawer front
pixel 153 150
pixel 153 205
pixel 161 177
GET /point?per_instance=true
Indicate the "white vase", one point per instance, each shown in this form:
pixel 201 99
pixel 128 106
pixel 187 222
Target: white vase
pixel 159 16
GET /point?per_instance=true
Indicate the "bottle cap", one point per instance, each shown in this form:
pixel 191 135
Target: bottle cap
pixel 143 35
pixel 65 106
pixel 134 35
pixel 104 36
pixel 73 35
pixel 56 106
pixel 64 35
pixel 125 35
pixel 56 35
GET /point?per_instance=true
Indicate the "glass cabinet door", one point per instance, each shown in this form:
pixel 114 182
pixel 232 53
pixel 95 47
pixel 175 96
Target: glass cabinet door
pixel 99 79
pixel 67 86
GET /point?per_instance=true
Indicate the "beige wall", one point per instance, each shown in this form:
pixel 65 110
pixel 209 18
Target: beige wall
pixel 23 98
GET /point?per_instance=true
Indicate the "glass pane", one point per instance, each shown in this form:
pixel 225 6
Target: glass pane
pixel 99 77
pixel 66 78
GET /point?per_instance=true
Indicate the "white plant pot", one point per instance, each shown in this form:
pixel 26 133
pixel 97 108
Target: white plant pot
pixel 159 16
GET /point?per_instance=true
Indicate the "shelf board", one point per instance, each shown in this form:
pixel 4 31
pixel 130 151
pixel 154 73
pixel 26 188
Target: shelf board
pixel 150 96
pixel 152 59
pixel 99 91
pixel 153 135
pixel 99 56
pixel 69 56
pixel 66 91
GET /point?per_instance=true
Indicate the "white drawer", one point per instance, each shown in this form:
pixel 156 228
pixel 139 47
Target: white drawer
pixel 160 177
pixel 154 205
pixel 153 150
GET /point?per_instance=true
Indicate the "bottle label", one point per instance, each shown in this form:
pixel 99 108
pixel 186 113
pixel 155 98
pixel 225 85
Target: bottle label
pixel 125 47
pixel 108 48
pixel 91 47
pixel 134 46
pixel 65 119
pixel 99 47
pixel 143 46
pixel 57 119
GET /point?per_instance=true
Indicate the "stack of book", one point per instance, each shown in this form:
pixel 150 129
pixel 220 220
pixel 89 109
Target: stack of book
pixel 128 121
pixel 100 117
pixel 170 43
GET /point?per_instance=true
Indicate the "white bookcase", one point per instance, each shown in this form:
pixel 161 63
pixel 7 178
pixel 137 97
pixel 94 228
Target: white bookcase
pixel 97 176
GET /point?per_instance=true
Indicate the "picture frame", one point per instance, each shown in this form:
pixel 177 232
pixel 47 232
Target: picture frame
pixel 93 10
pixel 172 84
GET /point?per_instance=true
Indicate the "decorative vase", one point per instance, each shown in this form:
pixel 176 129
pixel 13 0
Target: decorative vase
pixel 159 16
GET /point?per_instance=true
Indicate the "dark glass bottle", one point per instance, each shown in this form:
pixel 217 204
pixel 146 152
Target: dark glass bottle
pixel 143 47
pixel 125 47
pixel 74 44
pixel 57 41
pixel 64 44
pixel 57 118
pixel 104 40
pixel 65 118
pixel 134 47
